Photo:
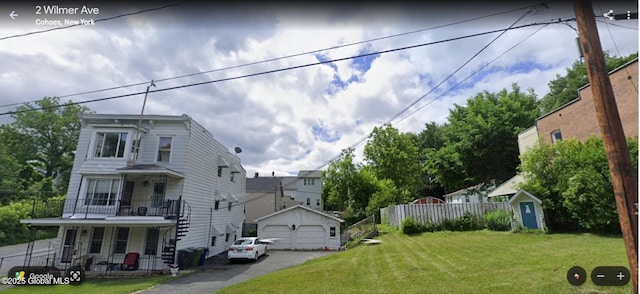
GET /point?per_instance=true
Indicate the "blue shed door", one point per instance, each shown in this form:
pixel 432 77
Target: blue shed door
pixel 528 212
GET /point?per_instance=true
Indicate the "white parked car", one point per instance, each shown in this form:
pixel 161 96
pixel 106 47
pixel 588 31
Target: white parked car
pixel 247 248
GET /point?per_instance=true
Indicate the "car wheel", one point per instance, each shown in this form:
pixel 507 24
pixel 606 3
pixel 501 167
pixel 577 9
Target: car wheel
pixel 256 258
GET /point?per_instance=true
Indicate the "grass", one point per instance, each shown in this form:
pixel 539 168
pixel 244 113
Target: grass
pixel 451 262
pixel 101 286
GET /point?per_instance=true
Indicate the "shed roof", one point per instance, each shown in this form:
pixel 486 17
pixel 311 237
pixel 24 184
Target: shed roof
pixel 523 193
pixel 300 207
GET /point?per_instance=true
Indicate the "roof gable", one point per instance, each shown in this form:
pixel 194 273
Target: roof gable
pixel 523 193
pixel 300 207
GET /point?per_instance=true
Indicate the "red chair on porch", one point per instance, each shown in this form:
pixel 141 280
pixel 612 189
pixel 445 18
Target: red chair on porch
pixel 131 261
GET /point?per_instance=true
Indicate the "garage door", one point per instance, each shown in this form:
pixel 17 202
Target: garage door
pixel 311 237
pixel 279 232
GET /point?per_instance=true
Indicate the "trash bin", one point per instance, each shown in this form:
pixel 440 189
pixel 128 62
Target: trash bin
pixel 195 256
pixel 203 255
pixel 184 258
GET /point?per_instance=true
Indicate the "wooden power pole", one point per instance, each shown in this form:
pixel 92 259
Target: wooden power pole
pixel 623 177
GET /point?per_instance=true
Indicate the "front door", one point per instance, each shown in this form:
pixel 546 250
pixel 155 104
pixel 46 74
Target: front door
pixel 157 197
pixel 69 245
pixel 528 212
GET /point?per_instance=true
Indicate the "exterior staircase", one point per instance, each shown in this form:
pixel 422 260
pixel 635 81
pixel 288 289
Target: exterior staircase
pixel 171 237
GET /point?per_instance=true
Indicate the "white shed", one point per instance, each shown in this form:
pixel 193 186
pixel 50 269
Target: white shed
pixel 527 210
pixel 300 228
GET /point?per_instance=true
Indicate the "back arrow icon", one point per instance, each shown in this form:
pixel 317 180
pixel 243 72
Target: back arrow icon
pixel 13 14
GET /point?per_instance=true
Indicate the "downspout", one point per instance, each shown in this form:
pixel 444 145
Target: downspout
pixel 210 222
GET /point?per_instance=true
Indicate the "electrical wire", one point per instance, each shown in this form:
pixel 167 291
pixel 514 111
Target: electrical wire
pixel 284 57
pixel 276 70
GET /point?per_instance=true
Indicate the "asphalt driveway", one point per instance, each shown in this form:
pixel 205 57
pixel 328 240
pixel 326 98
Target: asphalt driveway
pixel 217 273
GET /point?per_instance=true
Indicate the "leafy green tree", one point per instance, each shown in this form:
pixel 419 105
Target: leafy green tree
pixel 480 139
pixel 338 179
pixel 429 139
pixel 572 178
pixel 564 89
pixel 53 130
pixel 387 194
pixel 9 176
pixel 394 156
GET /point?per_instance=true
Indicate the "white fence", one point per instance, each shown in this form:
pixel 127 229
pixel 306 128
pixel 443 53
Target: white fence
pixel 435 213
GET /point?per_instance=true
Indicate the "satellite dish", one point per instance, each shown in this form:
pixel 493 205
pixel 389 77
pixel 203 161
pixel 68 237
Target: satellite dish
pixel 238 150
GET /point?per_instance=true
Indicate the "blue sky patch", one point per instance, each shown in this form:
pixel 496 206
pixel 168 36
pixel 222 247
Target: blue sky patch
pixel 320 133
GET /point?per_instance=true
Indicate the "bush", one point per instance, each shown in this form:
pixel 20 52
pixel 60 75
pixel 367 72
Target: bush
pixel 498 220
pixel 468 222
pixel 411 226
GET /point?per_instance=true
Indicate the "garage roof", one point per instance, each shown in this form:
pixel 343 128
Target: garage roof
pixel 300 207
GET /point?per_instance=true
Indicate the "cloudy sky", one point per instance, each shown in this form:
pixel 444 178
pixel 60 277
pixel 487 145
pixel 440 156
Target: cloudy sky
pixel 260 86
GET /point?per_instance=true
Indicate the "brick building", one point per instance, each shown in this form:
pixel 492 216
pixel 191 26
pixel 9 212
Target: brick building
pixel 577 119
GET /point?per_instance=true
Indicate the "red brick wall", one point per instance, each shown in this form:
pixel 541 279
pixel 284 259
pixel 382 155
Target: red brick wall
pixel 578 119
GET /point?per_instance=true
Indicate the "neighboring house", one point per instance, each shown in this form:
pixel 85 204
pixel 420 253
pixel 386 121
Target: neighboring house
pixel 301 227
pixel 577 119
pixel 466 195
pixel 309 189
pixel 428 200
pixel 264 195
pixel 289 186
pixel 505 191
pixel 180 189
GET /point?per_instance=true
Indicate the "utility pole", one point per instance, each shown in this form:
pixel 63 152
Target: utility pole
pixel 623 177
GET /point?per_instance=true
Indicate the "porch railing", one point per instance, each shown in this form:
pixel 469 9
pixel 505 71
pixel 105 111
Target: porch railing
pixel 101 265
pixel 92 208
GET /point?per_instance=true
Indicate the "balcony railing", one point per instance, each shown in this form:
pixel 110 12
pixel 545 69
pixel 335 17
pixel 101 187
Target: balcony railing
pixel 95 208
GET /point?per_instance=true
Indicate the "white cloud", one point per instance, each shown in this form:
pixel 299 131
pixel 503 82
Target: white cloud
pixel 272 117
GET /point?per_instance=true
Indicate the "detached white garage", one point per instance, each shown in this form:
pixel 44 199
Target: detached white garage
pixel 300 228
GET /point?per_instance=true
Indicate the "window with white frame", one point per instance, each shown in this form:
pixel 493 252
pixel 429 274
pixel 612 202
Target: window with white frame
pixel 122 236
pixel 102 191
pixel 95 246
pixel 110 144
pixel 164 149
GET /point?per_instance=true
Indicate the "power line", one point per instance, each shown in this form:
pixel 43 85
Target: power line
pixel 278 70
pixel 97 20
pixel 283 57
pixel 363 139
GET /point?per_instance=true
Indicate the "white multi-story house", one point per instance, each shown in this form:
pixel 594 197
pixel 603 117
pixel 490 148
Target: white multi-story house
pixel 180 189
pixel 309 189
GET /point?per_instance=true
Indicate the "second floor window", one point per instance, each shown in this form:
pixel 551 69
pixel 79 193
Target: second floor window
pixel 102 191
pixel 110 144
pixel 164 149
pixel 556 136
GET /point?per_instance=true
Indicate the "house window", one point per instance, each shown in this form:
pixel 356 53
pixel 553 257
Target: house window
pixel 164 149
pixel 216 205
pixel 312 182
pixel 122 236
pixel 317 202
pixel 213 241
pixel 308 201
pixel 220 171
pixel 151 246
pixel 556 136
pixel 102 191
pixel 332 231
pixel 233 176
pixel 96 240
pixel 110 144
pixel 226 237
pixel 229 207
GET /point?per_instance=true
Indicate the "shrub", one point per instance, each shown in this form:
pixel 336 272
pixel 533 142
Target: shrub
pixel 411 226
pixel 468 222
pixel 498 220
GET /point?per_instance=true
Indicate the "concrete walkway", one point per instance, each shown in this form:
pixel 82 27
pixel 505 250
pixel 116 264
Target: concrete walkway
pixel 217 273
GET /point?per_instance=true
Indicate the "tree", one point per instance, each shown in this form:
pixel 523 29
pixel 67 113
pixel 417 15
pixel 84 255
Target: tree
pixel 480 139
pixel 387 193
pixel 394 156
pixel 9 176
pixel 338 179
pixel 429 139
pixel 572 178
pixel 564 89
pixel 53 131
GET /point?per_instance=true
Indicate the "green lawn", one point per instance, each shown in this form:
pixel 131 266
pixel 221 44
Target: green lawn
pixel 104 286
pixel 451 262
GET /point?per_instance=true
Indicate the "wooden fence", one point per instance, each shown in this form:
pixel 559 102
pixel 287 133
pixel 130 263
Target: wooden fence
pixel 435 213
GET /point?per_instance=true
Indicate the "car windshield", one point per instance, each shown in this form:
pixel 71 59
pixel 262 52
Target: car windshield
pixel 243 242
